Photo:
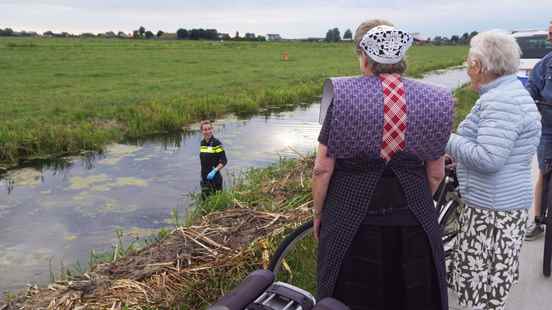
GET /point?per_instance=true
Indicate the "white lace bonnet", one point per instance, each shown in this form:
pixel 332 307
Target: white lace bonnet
pixel 385 44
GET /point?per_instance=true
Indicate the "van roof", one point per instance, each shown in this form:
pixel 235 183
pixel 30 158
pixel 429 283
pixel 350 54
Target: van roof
pixel 529 33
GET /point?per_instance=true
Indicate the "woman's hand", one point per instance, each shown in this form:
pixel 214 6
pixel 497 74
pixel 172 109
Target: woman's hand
pixel 450 163
pixel 316 225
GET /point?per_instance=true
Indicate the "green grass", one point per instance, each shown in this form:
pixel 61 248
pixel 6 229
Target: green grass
pixel 62 96
pixel 465 98
pixel 301 265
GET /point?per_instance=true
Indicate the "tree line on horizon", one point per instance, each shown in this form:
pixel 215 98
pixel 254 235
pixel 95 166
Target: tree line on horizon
pixel 143 33
pixel 334 35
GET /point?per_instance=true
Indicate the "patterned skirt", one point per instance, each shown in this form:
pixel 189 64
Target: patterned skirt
pixel 485 261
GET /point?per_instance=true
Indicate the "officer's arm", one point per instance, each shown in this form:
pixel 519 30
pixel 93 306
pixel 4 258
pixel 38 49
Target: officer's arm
pixel 222 157
pixel 535 84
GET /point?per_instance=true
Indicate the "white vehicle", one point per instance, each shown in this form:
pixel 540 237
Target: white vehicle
pixel 534 45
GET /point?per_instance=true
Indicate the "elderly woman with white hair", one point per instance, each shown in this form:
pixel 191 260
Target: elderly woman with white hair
pixel 493 149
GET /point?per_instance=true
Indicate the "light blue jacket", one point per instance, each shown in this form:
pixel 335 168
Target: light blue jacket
pixel 495 145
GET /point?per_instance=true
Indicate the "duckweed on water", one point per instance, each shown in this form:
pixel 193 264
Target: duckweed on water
pixel 104 183
pixel 117 152
pixel 78 183
pixel 128 181
pixel 25 177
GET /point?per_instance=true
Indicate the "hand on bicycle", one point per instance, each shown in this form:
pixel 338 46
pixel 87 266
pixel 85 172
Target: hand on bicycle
pixel 450 163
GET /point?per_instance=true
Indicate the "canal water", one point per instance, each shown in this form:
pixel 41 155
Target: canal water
pixel 53 213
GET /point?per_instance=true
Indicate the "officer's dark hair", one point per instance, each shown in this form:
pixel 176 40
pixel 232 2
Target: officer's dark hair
pixel 203 123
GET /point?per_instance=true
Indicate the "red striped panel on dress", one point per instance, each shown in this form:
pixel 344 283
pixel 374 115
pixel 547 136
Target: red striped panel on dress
pixel 394 111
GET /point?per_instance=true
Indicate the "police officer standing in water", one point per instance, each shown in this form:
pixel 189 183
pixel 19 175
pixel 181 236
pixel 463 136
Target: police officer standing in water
pixel 213 159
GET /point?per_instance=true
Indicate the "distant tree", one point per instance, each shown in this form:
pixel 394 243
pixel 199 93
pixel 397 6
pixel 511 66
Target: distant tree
pixel 160 33
pixel 438 40
pixel 333 35
pixel 87 35
pixel 465 38
pixel 329 36
pixel 8 32
pixel 261 38
pixel 110 34
pixel 182 34
pixel 250 36
pixel 225 36
pixel 348 34
pixel 473 34
pixel 136 34
pixel 48 34
pixel 142 31
pixel 237 36
pixel 195 34
pixel 454 39
pixel 211 34
pixel 149 35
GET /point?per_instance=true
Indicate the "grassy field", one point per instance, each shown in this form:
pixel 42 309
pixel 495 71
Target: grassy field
pixel 62 96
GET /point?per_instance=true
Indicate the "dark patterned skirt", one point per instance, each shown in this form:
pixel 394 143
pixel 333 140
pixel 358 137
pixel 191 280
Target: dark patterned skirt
pixel 485 263
pixel 389 264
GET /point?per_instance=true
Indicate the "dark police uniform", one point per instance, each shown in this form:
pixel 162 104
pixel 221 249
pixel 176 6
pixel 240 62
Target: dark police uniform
pixel 211 154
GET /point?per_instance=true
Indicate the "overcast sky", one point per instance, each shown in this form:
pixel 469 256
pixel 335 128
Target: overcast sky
pixel 291 19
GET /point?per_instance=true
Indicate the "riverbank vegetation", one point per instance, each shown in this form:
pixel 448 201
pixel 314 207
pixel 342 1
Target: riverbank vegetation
pixel 63 96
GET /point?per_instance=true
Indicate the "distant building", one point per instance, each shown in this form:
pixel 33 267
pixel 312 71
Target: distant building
pixel 420 39
pixel 122 35
pixel 168 36
pixel 273 37
pixel 250 36
pixel 224 36
pixel 109 35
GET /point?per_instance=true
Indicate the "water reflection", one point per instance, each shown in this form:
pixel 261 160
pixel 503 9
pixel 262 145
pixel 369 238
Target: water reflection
pixel 31 171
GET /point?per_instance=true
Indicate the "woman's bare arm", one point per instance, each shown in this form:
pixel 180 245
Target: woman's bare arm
pixel 435 170
pixel 321 175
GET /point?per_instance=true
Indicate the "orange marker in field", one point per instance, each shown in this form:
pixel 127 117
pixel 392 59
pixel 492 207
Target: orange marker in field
pixel 285 56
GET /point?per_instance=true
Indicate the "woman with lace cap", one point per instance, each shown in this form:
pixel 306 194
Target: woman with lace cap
pixel 379 160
